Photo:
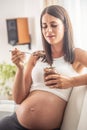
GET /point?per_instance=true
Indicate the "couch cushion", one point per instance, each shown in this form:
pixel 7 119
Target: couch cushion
pixel 83 118
pixel 74 108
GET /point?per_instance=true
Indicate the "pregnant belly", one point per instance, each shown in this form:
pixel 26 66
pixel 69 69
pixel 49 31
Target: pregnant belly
pixel 41 110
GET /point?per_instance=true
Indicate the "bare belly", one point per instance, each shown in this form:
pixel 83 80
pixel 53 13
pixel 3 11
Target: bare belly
pixel 41 110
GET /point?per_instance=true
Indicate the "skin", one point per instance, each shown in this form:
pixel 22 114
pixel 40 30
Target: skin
pixel 38 109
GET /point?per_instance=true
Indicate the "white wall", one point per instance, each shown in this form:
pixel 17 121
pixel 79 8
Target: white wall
pixel 15 9
pixel 77 11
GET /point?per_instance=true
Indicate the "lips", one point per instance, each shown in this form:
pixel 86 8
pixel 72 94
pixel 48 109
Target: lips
pixel 50 36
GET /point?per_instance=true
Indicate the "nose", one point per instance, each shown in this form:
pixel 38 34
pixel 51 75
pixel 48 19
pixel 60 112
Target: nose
pixel 49 29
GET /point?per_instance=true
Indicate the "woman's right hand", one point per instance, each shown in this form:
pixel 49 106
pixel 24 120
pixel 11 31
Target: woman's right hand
pixel 17 58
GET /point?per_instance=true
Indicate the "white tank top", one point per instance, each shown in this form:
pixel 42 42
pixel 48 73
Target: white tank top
pixel 62 67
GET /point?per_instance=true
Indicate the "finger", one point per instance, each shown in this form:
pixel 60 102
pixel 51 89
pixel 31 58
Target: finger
pixel 17 59
pixel 52 76
pixel 50 82
pixel 21 56
pixel 53 86
pixel 58 86
pixel 35 53
pixel 50 71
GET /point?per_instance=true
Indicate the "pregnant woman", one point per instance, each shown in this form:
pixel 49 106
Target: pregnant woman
pixel 42 100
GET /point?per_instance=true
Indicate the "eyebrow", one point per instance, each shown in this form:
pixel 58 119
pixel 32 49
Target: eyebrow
pixel 50 22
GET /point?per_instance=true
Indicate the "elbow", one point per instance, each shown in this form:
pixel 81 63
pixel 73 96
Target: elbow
pixel 17 100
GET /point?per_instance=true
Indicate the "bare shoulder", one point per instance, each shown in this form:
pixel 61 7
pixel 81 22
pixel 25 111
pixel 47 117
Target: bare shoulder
pixel 79 52
pixel 81 56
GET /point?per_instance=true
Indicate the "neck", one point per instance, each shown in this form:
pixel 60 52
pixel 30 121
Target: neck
pixel 57 51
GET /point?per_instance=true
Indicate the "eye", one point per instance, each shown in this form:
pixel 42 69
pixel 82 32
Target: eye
pixel 54 25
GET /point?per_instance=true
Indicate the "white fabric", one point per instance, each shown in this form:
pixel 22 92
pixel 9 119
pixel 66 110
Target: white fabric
pixel 83 117
pixel 74 118
pixel 62 67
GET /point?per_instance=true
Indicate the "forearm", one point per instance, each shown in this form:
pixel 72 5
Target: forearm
pixel 79 80
pixel 19 86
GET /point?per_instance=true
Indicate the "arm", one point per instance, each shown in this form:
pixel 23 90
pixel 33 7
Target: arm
pixel 81 57
pixel 61 81
pixel 23 80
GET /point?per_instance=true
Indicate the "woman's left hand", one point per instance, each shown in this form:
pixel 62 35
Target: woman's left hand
pixel 58 81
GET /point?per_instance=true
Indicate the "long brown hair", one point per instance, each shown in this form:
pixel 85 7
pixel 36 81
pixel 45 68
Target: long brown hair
pixel 59 12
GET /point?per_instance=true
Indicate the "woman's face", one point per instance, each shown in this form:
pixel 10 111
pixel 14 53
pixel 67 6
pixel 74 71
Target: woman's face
pixel 52 29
